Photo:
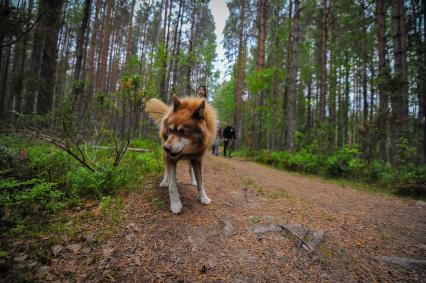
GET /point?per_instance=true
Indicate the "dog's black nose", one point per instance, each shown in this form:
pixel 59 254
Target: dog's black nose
pixel 167 148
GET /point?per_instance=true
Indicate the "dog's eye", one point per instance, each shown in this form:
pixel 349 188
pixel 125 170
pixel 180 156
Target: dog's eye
pixel 184 132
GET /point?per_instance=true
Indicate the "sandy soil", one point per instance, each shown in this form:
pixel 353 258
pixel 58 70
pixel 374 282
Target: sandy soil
pixel 215 243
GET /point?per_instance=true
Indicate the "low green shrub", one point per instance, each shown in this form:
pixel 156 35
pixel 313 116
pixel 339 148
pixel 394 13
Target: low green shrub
pixel 26 197
pixel 38 179
pixel 304 161
pixel 50 163
pixel 85 183
pixel 338 164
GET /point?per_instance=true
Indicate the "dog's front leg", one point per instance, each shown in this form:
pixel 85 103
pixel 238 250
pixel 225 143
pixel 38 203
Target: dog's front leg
pixel 202 196
pixel 165 182
pixel 191 173
pixel 175 203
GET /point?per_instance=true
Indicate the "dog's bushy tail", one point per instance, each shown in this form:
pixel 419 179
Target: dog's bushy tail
pixel 156 110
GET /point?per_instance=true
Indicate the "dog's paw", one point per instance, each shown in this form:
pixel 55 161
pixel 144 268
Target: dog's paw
pixel 205 200
pixel 176 207
pixel 165 182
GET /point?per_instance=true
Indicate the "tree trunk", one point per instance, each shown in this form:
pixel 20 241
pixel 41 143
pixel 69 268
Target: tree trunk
pixel 63 65
pixel 189 61
pixel 276 55
pixel 399 98
pixel 364 64
pixel 101 79
pixel 323 63
pixel 33 75
pixel 239 77
pixel 144 40
pixel 80 39
pixel 4 58
pixel 164 57
pixel 422 83
pixel 178 44
pixel 49 57
pixel 14 92
pixel 260 65
pixel 18 74
pixel 129 50
pixel 4 95
pixel 332 92
pixel 383 79
pixel 309 120
pixel 174 59
pixel 92 50
pixel 287 71
pixel 4 15
pixel 291 106
pixel 340 131
pixel 346 103
pixel 372 90
pixel 114 50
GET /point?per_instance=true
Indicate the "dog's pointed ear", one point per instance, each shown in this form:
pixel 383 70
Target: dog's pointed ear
pixel 199 113
pixel 176 102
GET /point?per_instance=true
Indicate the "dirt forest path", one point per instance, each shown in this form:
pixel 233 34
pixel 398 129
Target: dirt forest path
pixel 216 242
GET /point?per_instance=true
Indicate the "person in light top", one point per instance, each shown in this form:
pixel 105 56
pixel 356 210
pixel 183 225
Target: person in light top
pixel 202 92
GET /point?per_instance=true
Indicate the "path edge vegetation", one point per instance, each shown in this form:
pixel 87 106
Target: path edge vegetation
pixel 348 169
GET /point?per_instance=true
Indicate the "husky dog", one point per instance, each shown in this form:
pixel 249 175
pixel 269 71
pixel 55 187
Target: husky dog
pixel 187 129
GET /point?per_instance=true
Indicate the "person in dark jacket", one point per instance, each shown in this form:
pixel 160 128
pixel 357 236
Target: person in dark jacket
pixel 228 139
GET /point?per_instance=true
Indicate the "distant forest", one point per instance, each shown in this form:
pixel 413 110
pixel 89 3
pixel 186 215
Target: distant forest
pixel 56 51
pixel 322 75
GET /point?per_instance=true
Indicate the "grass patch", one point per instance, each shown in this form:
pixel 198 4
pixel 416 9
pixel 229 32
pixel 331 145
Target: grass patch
pixel 113 209
pixel 158 202
pixel 248 181
pixel 324 252
pixel 254 219
pixel 272 194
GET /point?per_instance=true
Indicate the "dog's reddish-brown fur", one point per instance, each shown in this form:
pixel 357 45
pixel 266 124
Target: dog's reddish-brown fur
pixel 186 129
pixel 165 116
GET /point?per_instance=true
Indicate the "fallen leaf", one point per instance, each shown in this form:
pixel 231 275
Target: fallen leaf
pixel 20 257
pixel 86 250
pixel 89 239
pixel 129 237
pixel 212 263
pixel 70 267
pixel 56 249
pixel 108 251
pixel 137 260
pixel 75 248
pixel 49 276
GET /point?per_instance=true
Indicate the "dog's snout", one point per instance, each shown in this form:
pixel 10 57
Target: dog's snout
pixel 167 148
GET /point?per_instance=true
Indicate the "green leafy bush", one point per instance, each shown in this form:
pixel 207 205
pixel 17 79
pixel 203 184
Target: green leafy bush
pixel 85 183
pixel 338 164
pixel 37 179
pixel 50 163
pixel 29 196
pixel 304 161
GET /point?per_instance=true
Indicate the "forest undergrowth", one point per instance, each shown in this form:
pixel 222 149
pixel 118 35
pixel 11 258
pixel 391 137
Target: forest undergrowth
pixel 347 164
pixel 43 187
